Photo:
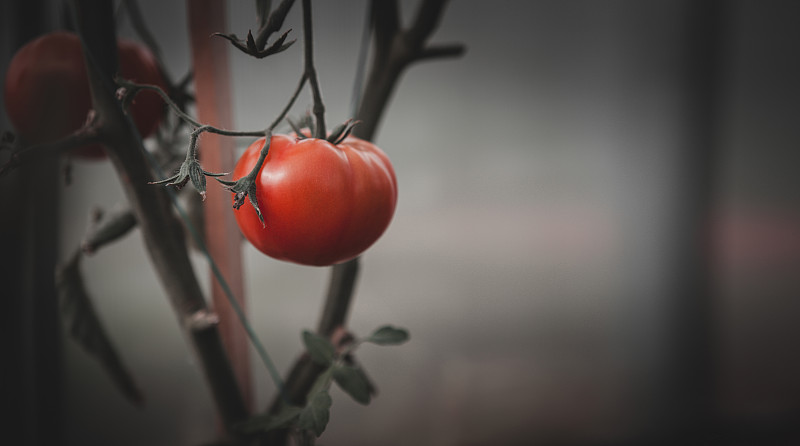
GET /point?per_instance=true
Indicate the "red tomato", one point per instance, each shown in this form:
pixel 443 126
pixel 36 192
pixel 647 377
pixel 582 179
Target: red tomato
pixel 47 89
pixel 322 203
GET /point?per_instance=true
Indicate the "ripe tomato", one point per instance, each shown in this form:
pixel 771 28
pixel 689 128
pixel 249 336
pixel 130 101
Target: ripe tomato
pixel 322 203
pixel 47 89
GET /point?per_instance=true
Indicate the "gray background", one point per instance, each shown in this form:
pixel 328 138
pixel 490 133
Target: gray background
pixel 529 253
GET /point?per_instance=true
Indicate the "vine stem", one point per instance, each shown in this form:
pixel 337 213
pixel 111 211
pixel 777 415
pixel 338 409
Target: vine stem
pixel 395 50
pixel 200 128
pixel 181 114
pixel 311 72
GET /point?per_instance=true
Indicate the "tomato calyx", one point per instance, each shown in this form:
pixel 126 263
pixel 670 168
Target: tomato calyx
pixel 249 45
pixel 342 131
pixel 246 186
pixel 190 170
pixel 305 129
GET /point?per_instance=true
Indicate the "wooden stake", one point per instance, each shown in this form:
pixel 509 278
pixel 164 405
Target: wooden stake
pixel 213 96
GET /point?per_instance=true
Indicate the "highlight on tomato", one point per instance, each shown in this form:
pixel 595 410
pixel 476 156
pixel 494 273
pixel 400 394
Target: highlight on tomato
pixel 322 203
pixel 47 89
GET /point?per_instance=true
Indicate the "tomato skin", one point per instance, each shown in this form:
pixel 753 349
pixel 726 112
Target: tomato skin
pixel 322 204
pixel 47 89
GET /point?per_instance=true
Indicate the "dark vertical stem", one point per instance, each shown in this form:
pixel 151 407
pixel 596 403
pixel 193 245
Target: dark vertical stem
pixel 311 72
pixel 691 383
pixel 160 230
pixel 31 374
pixel 340 292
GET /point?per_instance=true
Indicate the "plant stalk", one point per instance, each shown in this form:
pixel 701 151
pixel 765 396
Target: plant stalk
pixel 161 231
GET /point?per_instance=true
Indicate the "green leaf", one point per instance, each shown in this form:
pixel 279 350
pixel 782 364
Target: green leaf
pixel 323 381
pixel 354 382
pixel 314 416
pixel 320 349
pixel 268 422
pixel 388 335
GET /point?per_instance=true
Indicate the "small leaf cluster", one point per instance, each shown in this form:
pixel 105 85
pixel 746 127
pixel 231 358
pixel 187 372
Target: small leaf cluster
pixel 340 368
pixel 270 21
pixel 191 169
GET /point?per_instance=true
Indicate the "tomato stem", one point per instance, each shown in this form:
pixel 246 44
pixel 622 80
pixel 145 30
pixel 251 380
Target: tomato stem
pixel 311 72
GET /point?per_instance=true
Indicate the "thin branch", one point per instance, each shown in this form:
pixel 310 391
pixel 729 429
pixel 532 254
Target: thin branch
pixel 441 52
pixel 107 230
pixel 311 73
pixel 199 127
pixel 223 132
pixel 87 135
pixel 288 107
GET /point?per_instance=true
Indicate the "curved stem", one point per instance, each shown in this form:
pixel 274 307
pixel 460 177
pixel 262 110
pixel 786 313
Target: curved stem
pixel 286 109
pixel 223 132
pixel 181 114
pixel 84 136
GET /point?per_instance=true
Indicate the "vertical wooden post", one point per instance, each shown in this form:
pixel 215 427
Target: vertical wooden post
pixel 213 96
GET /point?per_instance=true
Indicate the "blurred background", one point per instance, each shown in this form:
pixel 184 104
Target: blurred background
pixel 597 240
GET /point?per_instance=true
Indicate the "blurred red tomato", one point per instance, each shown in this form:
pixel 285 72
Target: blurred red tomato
pixel 47 89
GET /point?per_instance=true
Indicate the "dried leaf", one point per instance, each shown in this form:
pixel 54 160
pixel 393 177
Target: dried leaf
pixel 85 327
